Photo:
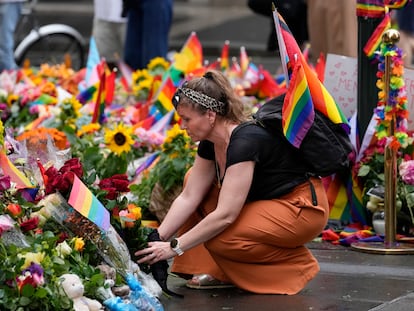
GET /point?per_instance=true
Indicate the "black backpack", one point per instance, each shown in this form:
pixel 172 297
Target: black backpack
pixel 326 148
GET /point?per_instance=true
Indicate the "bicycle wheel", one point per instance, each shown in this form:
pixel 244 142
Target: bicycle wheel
pixel 52 44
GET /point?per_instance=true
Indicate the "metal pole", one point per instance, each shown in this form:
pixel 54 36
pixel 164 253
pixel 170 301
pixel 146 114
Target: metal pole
pixel 390 37
pixel 390 245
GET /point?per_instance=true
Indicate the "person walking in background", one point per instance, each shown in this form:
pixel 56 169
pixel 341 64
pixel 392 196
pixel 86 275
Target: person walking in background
pixel 247 207
pixel 109 29
pixel 332 27
pixel 10 11
pixel 405 22
pixel 148 27
pixel 292 11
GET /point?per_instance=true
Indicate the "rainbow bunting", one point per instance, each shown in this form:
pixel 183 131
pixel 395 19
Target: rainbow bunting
pixel 298 111
pixel 82 200
pixel 224 59
pixel 16 176
pixel 375 40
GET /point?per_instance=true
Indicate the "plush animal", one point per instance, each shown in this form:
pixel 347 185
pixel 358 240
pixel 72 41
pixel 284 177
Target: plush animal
pixel 73 287
pixel 110 278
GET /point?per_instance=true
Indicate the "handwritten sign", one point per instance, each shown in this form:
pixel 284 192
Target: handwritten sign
pixel 341 80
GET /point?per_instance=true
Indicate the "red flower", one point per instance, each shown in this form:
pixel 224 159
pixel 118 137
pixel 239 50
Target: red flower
pixel 115 185
pixel 29 224
pixel 74 166
pixel 14 210
pixel 62 180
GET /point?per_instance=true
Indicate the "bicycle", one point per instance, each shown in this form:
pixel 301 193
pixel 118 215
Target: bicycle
pixel 52 43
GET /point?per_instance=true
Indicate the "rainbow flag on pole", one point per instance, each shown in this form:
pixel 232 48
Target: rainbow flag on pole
pixel 322 100
pixel 83 200
pixel 21 181
pixel 298 111
pixel 375 40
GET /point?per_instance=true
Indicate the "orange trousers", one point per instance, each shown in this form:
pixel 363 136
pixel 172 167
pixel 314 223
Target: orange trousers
pixel 263 250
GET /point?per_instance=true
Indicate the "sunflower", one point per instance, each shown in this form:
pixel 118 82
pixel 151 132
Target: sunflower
pixel 119 140
pixel 158 65
pixel 173 133
pixel 88 129
pixel 139 75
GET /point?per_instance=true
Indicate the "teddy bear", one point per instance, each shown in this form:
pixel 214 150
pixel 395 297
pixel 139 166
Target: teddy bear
pixel 110 277
pixel 73 287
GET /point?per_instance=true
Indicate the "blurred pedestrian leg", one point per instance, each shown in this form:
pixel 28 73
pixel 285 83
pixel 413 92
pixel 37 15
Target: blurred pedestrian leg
pixel 10 11
pixel 148 27
pixel 109 29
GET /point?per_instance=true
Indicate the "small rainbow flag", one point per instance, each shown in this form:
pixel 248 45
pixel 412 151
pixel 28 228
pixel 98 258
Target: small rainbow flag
pixel 188 59
pixel 244 59
pixel 83 200
pixel 298 111
pixel 16 176
pixel 224 59
pixel 163 99
pixel 376 38
pixel 99 109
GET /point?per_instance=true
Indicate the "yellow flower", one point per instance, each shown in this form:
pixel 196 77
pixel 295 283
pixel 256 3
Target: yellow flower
pixel 11 99
pixel 135 210
pixel 119 140
pixel 174 132
pixel 88 129
pixel 139 75
pixel 30 257
pixel 158 62
pixel 78 244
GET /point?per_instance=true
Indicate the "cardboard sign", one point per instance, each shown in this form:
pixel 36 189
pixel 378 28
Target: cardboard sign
pixel 341 80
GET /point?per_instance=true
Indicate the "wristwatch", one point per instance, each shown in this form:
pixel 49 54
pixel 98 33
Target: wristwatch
pixel 175 245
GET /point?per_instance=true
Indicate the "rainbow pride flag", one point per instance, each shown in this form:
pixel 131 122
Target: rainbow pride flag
pixel 83 200
pixel 321 98
pixel 99 109
pixel 15 175
pixel 224 59
pixel 374 41
pixel 298 112
pixel 188 59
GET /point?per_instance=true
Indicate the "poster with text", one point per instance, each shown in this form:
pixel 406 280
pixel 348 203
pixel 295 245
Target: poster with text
pixel 341 80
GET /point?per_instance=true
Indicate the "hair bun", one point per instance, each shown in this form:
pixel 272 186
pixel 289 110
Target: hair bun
pixel 208 75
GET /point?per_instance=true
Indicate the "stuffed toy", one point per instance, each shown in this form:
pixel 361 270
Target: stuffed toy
pixel 110 278
pixel 73 287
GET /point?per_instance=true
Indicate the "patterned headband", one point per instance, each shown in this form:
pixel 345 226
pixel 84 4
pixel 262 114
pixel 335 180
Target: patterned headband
pixel 204 100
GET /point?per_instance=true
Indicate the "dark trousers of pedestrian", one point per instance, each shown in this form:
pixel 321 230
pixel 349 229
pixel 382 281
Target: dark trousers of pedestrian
pixel 148 26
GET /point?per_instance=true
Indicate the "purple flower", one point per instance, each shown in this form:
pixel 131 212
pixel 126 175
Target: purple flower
pixel 4 183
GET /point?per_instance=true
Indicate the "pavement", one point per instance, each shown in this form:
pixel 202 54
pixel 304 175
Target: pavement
pixel 349 279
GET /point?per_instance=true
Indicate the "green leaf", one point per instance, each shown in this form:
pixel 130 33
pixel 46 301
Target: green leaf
pixel 27 290
pixel 41 292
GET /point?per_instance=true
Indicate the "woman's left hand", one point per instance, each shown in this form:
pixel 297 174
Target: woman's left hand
pixel 155 252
